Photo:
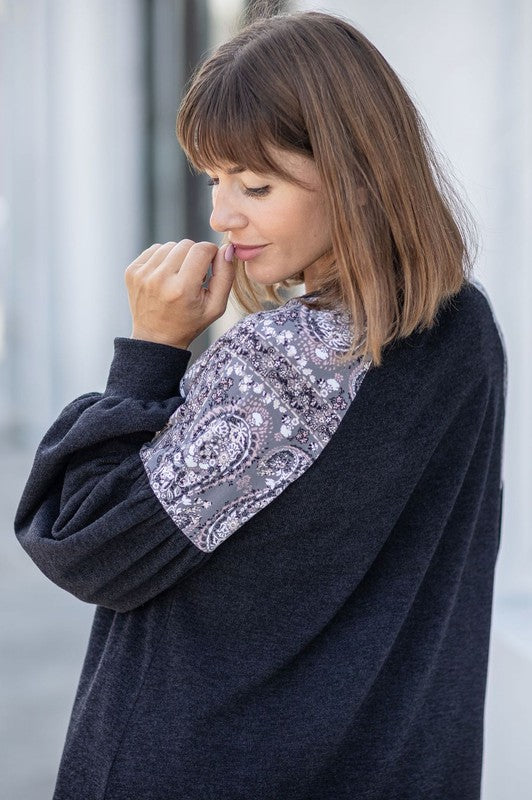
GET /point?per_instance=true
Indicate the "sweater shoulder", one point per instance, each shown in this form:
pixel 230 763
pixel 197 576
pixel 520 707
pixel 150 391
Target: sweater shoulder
pixel 469 332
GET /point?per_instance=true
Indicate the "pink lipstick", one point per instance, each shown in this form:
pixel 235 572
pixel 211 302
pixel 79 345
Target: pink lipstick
pixel 246 252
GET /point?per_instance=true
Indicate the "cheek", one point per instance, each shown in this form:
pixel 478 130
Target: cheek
pixel 313 222
pixel 298 222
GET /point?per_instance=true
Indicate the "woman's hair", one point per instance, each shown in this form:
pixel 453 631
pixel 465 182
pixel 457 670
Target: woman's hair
pixel 312 84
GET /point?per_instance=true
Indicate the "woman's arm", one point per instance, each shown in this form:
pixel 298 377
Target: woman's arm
pixel 115 514
pixel 88 516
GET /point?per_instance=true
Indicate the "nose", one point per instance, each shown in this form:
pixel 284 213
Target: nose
pixel 225 214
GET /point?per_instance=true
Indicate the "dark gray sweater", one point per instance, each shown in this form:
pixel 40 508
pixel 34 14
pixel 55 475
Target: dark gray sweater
pixel 292 561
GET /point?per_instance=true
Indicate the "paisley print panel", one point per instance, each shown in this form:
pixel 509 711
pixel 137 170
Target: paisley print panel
pixel 260 404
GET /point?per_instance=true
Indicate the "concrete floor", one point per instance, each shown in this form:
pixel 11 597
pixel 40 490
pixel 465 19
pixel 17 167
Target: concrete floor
pixel 43 637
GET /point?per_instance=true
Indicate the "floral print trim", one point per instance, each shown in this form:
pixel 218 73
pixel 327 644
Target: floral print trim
pixel 260 404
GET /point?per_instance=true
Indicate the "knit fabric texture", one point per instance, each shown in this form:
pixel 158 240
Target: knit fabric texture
pixel 291 561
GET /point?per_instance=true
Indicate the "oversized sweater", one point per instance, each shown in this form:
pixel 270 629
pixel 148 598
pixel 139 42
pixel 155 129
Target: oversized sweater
pixel 292 561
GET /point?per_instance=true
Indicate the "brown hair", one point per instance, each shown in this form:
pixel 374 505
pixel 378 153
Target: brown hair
pixel 310 83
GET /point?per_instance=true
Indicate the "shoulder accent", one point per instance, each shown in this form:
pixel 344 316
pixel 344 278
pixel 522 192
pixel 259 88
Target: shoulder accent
pixel 259 407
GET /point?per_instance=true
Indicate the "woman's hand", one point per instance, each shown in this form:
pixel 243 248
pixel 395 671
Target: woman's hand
pixel 166 298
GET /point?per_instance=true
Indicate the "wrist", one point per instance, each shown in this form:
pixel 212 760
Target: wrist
pixel 146 370
pixel 182 344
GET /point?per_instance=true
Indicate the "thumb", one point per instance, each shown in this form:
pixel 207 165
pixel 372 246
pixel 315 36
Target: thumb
pixel 223 275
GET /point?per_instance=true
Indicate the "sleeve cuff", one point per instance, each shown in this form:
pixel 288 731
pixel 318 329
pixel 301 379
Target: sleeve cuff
pixel 146 370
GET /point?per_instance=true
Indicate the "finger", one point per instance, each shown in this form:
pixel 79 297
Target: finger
pixel 170 261
pixel 144 256
pixel 195 266
pixel 149 260
pixel 156 258
pixel 156 255
pixel 223 275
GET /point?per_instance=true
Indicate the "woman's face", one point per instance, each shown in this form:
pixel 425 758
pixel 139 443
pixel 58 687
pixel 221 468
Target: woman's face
pixel 288 222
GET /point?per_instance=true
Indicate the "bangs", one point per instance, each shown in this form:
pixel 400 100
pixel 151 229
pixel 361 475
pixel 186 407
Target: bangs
pixel 225 120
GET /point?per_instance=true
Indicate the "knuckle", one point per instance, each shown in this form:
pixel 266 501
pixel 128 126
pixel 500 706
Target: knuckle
pixel 167 295
pixel 151 279
pixel 205 247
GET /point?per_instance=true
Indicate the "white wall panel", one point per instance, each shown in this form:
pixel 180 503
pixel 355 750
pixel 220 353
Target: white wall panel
pixel 74 196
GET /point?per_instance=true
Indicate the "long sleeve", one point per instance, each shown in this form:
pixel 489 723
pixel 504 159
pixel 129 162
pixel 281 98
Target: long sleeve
pixel 134 488
pixel 87 516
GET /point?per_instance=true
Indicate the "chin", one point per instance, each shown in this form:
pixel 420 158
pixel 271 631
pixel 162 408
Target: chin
pixel 256 277
pixel 269 280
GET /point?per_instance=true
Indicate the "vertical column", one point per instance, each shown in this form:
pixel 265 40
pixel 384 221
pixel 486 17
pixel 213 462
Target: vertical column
pixel 26 363
pixel 74 196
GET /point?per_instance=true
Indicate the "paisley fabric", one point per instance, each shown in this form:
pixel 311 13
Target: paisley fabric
pixel 259 406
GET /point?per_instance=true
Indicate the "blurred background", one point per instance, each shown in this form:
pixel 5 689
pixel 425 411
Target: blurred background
pixel 91 174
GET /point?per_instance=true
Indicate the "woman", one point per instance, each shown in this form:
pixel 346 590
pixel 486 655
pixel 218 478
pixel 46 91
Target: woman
pixel 291 544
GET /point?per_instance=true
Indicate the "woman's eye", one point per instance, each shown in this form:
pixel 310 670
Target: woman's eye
pixel 259 191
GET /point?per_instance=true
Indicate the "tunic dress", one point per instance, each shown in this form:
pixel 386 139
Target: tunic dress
pixel 291 561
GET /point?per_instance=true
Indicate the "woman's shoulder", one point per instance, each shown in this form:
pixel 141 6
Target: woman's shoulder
pixel 294 341
pixel 296 330
pixel 468 325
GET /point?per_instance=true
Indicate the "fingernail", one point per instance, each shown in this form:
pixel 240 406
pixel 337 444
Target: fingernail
pixel 229 253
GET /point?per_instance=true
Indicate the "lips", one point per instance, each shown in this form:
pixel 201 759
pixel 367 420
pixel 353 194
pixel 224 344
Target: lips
pixel 245 252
